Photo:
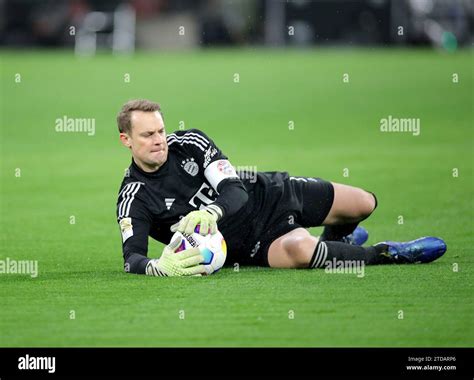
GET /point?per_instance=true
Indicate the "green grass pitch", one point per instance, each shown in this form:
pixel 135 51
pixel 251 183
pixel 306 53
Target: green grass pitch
pixel 82 297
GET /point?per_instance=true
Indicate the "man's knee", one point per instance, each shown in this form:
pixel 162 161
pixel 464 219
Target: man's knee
pixel 351 205
pixel 300 249
pixel 367 205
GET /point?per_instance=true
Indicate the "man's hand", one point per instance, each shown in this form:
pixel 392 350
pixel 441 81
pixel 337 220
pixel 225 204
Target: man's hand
pixel 207 221
pixel 171 263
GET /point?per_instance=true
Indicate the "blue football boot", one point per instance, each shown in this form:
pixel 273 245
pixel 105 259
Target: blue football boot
pixel 358 237
pixel 422 250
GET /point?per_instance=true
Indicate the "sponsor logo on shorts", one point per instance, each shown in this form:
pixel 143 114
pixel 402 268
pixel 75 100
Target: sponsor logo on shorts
pixel 255 249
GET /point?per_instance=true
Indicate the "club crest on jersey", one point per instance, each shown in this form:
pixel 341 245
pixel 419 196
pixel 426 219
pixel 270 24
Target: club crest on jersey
pixel 190 166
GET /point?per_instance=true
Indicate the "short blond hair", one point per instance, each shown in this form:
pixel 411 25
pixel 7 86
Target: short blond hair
pixel 124 116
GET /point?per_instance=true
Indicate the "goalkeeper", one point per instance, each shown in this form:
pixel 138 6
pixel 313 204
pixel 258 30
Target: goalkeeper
pixel 178 180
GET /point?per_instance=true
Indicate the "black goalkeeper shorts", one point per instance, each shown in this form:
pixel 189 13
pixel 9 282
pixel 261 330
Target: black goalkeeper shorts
pixel 298 202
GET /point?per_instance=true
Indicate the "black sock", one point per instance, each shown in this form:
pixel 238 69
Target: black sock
pixel 337 232
pixel 330 250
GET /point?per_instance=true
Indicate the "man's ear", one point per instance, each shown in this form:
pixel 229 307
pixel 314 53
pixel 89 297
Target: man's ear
pixel 125 139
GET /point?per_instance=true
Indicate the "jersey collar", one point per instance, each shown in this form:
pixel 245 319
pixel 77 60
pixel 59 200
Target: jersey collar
pixel 163 168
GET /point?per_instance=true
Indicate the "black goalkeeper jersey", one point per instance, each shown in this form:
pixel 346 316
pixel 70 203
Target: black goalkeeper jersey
pixel 192 178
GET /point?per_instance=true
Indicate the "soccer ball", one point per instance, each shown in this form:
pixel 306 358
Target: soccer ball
pixel 212 247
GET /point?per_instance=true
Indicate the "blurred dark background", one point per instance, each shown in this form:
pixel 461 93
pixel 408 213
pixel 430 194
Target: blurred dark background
pixel 123 26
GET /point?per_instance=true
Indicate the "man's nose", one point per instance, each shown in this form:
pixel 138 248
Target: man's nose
pixel 158 139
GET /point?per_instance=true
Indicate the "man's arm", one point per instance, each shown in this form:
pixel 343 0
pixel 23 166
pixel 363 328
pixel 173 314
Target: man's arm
pixel 232 197
pixel 135 221
pixel 135 244
pixel 220 173
pixel 171 263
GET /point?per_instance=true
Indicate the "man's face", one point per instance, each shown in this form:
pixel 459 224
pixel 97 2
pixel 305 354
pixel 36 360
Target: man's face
pixel 147 140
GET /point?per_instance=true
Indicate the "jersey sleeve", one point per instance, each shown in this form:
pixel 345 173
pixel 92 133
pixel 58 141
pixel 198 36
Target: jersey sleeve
pixel 134 222
pixel 208 156
pixel 218 171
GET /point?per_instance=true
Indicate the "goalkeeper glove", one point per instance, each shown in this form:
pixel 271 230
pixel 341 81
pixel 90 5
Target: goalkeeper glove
pixel 171 263
pixel 207 219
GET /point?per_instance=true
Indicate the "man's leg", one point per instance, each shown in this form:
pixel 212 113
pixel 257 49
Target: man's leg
pixel 298 249
pixel 292 250
pixel 351 205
